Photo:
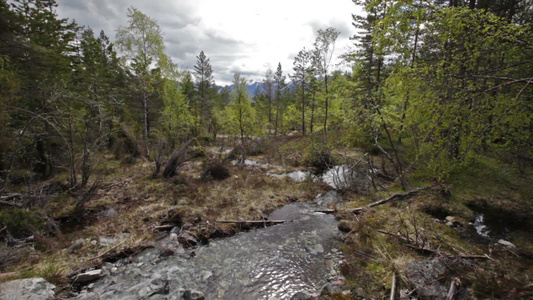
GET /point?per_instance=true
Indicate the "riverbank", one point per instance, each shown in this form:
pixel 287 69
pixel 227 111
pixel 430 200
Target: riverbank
pixel 130 211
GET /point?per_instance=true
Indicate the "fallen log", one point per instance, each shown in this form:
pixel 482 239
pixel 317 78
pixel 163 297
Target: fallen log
pixel 389 199
pixel 254 221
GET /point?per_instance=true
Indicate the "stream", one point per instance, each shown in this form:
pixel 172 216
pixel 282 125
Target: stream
pixel 276 262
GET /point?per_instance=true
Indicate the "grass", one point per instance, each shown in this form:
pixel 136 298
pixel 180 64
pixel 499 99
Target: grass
pixel 143 202
pixel 370 256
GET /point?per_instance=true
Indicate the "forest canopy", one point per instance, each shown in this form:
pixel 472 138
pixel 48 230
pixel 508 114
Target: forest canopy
pixel 433 85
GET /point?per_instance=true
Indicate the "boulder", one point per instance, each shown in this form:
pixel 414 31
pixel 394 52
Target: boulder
pixel 425 276
pixel 27 289
pixel 331 197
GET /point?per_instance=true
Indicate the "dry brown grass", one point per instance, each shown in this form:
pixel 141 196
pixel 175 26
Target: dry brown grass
pixel 142 203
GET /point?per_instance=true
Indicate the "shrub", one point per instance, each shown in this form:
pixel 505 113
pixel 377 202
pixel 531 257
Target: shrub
pixel 21 223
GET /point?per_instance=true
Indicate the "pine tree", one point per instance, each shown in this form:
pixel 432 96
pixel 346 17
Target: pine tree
pixel 279 83
pixel 301 67
pixel 204 81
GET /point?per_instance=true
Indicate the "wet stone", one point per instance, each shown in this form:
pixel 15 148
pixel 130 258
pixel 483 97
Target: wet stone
pixel 31 289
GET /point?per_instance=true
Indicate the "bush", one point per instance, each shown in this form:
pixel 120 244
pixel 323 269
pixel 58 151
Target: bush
pixel 318 157
pixel 21 223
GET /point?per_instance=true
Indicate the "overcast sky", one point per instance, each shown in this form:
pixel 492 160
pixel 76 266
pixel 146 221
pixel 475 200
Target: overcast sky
pixel 245 36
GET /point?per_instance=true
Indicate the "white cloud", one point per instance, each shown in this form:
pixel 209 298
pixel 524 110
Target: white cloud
pixel 246 36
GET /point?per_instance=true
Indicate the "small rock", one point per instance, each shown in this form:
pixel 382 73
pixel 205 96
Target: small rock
pixel 108 213
pixel 76 245
pixel 187 239
pixel 206 275
pixel 193 295
pixel 221 293
pixel 186 226
pixel 144 292
pixel 173 237
pixel 319 248
pixel 167 252
pixel 300 296
pixel 30 289
pixel 88 276
pixel 197 295
pixel 106 241
pixel 175 229
pixel 506 243
pixel 452 221
pixel 330 289
pixel 331 197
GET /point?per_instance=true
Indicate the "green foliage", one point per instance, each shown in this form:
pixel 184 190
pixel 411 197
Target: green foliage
pixel 176 118
pixel 238 117
pixel 21 223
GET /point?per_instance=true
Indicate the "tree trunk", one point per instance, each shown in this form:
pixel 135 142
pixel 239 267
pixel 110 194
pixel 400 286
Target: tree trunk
pixel 312 122
pixel 303 109
pixel 277 118
pixel 85 168
pixel 73 179
pixel 146 124
pixel 177 158
pixel 326 112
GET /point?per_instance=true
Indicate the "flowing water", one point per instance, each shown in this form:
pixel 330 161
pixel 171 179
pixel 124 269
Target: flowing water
pixel 278 261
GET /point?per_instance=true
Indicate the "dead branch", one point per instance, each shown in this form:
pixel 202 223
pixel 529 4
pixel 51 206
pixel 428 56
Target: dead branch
pixel 389 199
pixel 109 250
pixel 254 221
pixel 433 251
pixel 164 227
pixel 393 287
pixel 11 197
pixel 453 288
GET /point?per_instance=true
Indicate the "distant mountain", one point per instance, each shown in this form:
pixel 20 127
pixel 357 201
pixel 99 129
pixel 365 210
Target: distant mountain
pixel 253 86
